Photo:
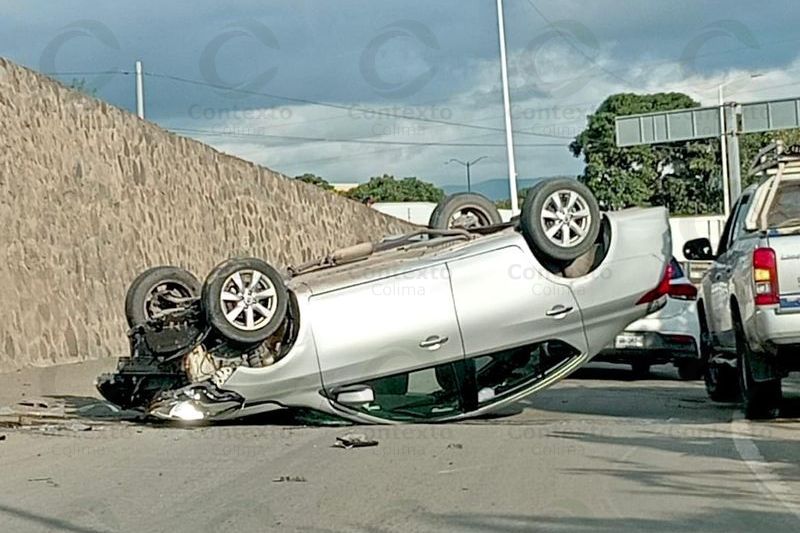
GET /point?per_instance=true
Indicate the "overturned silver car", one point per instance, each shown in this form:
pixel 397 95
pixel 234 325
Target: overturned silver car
pixel 446 323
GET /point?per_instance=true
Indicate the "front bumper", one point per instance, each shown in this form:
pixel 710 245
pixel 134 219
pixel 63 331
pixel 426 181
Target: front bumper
pixel 656 348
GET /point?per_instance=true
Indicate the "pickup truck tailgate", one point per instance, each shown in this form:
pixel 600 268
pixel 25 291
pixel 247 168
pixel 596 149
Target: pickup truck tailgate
pixel 787 250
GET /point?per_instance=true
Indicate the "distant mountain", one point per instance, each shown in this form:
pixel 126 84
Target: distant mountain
pixel 495 189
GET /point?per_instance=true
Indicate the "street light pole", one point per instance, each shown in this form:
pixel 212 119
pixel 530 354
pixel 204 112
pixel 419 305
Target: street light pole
pixel 512 169
pixel 468 165
pixel 139 90
pixel 723 145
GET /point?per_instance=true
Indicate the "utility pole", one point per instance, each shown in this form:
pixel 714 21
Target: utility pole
pixel 723 144
pixel 734 163
pixel 512 168
pixel 729 180
pixel 468 165
pixel 139 90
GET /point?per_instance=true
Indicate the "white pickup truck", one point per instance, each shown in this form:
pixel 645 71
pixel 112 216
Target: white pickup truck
pixel 749 302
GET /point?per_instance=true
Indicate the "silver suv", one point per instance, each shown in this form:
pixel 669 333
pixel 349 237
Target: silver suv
pixel 749 303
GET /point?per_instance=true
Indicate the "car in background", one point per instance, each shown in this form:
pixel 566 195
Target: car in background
pixel 672 335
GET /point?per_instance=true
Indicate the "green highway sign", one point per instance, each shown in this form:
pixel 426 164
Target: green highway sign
pixel 670 126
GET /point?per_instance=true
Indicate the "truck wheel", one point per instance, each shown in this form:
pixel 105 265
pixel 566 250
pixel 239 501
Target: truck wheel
pixel 156 290
pixel 245 300
pixel 690 370
pixel 464 210
pixel 722 383
pixel 561 219
pixel 761 399
pixel 640 370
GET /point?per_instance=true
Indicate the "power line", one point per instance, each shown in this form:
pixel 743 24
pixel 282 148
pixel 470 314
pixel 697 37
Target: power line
pixel 219 133
pixel 89 73
pixel 573 46
pixel 349 108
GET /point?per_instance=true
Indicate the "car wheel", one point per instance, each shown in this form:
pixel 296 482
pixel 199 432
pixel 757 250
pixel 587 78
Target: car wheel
pixel 761 399
pixel 158 290
pixel 640 370
pixel 722 384
pixel 690 370
pixel 561 219
pixel 464 210
pixel 245 300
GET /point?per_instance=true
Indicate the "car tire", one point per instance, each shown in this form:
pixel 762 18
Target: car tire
pixel 464 210
pixel 690 370
pixel 761 400
pixel 640 370
pixel 561 219
pixel 152 291
pixel 721 381
pixel 245 300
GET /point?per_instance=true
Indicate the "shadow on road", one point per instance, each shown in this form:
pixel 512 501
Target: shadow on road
pixel 715 520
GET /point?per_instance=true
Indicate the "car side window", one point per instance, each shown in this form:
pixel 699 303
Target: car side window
pixel 741 218
pixel 499 374
pixel 428 393
pixel 726 233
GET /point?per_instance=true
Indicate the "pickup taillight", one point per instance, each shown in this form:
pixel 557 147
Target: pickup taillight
pixel 765 276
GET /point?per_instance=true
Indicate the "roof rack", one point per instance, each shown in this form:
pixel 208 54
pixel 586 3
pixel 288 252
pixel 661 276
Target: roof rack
pixel 775 162
pixel 769 158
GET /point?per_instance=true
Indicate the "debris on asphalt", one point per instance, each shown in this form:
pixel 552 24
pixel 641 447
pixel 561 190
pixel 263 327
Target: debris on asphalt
pixel 77 426
pixel 47 480
pixel 38 404
pixel 2 437
pixel 455 446
pixel 290 479
pixel 99 410
pixel 354 440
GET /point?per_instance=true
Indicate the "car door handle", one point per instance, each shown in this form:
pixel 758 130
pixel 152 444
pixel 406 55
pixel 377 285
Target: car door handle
pixel 434 342
pixel 559 311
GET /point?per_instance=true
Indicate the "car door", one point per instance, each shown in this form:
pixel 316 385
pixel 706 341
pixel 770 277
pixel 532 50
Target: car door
pixel 517 322
pixel 396 338
pixel 720 278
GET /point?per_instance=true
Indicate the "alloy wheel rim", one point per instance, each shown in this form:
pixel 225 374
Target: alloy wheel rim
pixel 566 218
pixel 248 300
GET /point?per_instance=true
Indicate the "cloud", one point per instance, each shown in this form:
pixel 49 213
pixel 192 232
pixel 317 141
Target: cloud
pixel 411 58
pixel 558 114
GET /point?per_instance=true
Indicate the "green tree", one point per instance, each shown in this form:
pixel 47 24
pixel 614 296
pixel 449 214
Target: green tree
pixel 388 189
pixel 685 177
pixel 313 179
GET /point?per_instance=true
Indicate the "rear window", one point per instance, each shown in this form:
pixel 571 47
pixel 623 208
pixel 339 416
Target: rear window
pixel 785 210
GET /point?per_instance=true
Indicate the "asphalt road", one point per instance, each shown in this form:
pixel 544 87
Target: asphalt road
pixel 598 452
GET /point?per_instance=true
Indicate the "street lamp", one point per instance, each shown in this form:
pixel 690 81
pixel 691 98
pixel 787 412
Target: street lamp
pixel 723 144
pixel 467 164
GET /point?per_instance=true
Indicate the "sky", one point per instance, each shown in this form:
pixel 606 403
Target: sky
pixel 349 89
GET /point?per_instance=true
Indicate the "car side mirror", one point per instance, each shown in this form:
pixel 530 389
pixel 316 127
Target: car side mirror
pixel 699 250
pixel 356 395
